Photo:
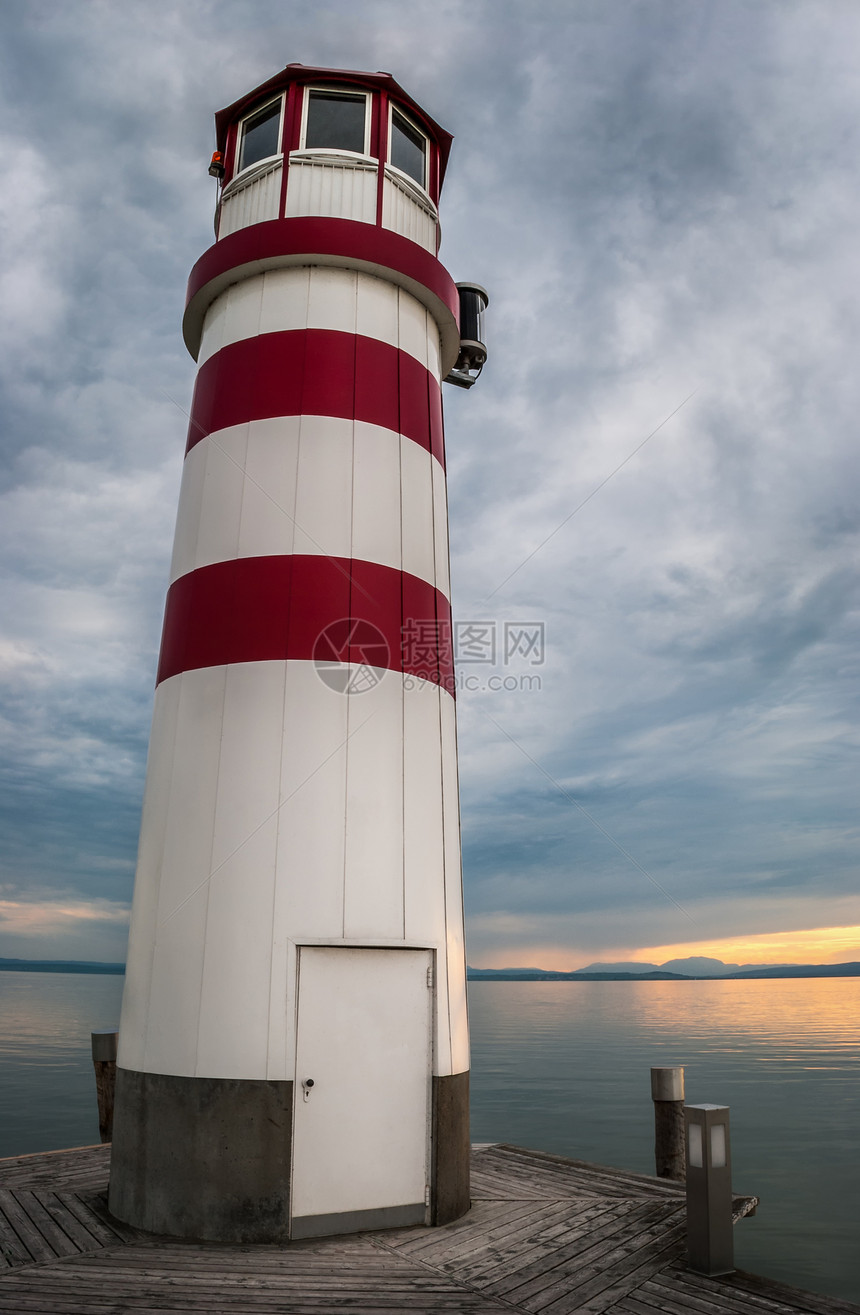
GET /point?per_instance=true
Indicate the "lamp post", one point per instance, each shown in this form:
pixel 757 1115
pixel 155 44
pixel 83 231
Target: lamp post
pixel 709 1190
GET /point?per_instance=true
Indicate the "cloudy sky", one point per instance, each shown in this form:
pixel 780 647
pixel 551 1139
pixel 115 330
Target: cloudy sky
pixel 659 464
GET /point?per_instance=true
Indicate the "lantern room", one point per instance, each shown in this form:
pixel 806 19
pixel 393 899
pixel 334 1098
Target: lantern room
pixel 330 143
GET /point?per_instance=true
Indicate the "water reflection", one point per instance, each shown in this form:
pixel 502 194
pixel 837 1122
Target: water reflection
pixel 47 1086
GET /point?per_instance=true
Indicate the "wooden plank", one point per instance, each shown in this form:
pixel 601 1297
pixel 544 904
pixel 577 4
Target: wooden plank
pixel 635 1305
pixel 56 1168
pixel 661 1295
pixel 64 1218
pixel 496 1185
pixel 483 1216
pixel 29 1235
pixel 617 1282
pixel 95 1203
pixel 520 1186
pixel 189 1299
pixel 58 1171
pixel 177 1300
pixel 712 1292
pixel 546 1236
pixel 52 1231
pixel 596 1241
pixel 13 1250
pixel 226 1261
pixel 453 1249
pixel 606 1173
pixel 535 1253
pixel 754 1294
pixel 605 1285
pixel 101 1231
pixel 182 1296
pixel 548 1168
pixel 811 1303
pixel 688 1281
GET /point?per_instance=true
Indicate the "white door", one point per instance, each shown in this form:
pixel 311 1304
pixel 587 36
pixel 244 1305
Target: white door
pixel 361 1131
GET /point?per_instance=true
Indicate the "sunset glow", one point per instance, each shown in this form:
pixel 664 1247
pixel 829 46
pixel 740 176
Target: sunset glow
pixel 46 916
pixel 813 945
pixel 817 945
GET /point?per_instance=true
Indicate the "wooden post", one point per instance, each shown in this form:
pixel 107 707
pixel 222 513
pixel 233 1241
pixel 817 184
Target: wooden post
pixel 104 1046
pixel 667 1093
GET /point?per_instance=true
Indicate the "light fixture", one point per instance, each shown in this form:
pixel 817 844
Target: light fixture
pixel 473 352
pixel 710 1245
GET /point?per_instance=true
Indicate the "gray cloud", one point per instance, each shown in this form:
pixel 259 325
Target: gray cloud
pixel 661 198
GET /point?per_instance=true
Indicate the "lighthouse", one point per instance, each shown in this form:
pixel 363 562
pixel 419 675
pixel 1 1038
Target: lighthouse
pixel 293 1049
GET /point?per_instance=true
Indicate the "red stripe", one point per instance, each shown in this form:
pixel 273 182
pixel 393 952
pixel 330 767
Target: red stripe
pixel 329 237
pixel 277 243
pixel 259 609
pixel 318 372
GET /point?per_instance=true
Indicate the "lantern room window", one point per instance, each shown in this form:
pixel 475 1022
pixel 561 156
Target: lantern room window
pixel 260 135
pixel 336 120
pixel 407 148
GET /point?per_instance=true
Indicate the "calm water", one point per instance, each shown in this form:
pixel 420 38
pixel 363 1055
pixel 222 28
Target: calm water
pixel 564 1067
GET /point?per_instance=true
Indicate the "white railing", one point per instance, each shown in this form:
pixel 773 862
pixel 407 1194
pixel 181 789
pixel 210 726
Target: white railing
pixel 251 199
pixel 409 211
pixel 338 187
pixel 334 185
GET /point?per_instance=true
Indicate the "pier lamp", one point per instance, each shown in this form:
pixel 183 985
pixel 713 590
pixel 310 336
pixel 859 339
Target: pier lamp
pixel 709 1189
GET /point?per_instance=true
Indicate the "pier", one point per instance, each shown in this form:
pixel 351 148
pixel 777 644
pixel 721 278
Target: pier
pixel 545 1235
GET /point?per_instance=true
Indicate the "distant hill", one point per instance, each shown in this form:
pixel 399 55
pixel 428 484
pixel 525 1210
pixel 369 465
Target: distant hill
pixel 581 975
pixel 58 966
pixel 801 970
pixel 622 967
pixel 694 968
pixel 700 966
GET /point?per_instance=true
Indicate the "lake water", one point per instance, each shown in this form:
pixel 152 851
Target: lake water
pixel 564 1067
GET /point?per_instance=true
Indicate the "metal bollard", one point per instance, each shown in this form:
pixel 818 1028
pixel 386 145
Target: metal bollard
pixel 667 1093
pixel 104 1045
pixel 710 1245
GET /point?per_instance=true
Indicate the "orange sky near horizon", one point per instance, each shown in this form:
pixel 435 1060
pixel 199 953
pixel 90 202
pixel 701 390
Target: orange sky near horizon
pixel 815 945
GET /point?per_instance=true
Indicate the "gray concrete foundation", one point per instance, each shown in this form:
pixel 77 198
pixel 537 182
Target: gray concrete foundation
pixel 449 1198
pixel 205 1158
pixel 210 1158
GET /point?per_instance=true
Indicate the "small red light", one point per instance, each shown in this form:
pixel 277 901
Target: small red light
pixel 216 165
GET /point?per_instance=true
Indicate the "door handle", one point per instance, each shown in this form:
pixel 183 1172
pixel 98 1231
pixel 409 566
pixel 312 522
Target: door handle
pixel 306 1088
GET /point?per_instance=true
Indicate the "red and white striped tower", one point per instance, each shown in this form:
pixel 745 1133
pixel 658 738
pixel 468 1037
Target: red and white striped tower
pixel 293 1055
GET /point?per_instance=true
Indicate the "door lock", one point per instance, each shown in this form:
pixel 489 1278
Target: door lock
pixel 306 1088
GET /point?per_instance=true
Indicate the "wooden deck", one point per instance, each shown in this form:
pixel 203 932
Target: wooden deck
pixel 545 1235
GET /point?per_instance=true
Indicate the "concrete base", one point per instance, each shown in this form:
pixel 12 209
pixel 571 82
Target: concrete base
pixel 210 1158
pixel 449 1195
pixel 204 1158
